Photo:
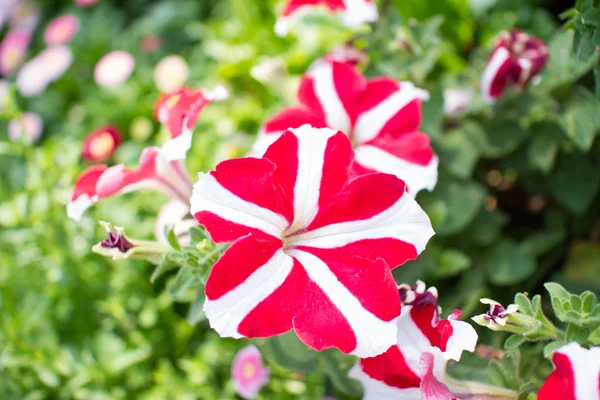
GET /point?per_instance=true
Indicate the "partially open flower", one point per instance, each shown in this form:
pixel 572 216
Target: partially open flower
pixel 353 12
pixel 101 144
pixel 516 59
pixel 30 125
pixel 13 50
pixel 497 316
pixel 248 372
pixel 118 246
pixel 381 116
pixel 179 112
pixel 114 68
pixel 171 73
pixel 576 377
pixel 61 30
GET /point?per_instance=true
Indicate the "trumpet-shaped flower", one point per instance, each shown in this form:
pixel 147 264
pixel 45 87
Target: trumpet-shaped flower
pixel 13 50
pixel 100 145
pixel 312 247
pixel 381 116
pixel 576 377
pixel 179 112
pixel 248 372
pixel 61 30
pixel 353 12
pixel 114 68
pixel 155 172
pixel 497 316
pixel 516 59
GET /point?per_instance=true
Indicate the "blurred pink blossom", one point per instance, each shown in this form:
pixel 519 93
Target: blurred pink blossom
pixel 171 73
pixel 150 43
pixel 6 7
pixel 25 15
pixel 114 68
pixel 61 30
pixel 456 100
pixel 30 123
pixel 248 372
pixel 86 3
pixel 43 69
pixel 13 50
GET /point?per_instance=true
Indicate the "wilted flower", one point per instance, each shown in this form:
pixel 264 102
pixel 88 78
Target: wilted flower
pixel 118 246
pixel 456 100
pixel 100 145
pixel 576 377
pixel 61 30
pixel 352 12
pixel 248 372
pixel 13 50
pixel 171 73
pixel 86 3
pixel 114 68
pixel 30 126
pixel 25 16
pixel 381 116
pixel 497 316
pixel 516 59
pixel 309 244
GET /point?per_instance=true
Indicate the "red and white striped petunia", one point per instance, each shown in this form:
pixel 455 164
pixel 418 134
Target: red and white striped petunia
pixel 179 112
pixel 397 373
pixel 516 59
pixel 381 116
pixel 155 172
pixel 353 12
pixel 576 377
pixel 312 248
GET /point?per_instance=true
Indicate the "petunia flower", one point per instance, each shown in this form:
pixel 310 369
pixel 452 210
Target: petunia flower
pixel 179 112
pixel 114 68
pixel 29 125
pixel 312 248
pixel 576 377
pixel 456 100
pixel 516 59
pixel 352 12
pixel 381 116
pixel 61 30
pixel 13 50
pixel 100 144
pixel 415 367
pixel 497 316
pixel 170 73
pixel 248 372
pixel 155 172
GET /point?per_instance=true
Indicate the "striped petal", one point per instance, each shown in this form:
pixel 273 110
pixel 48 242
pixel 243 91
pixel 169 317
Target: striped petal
pixel 576 377
pixel 498 74
pixel 84 192
pixel 352 12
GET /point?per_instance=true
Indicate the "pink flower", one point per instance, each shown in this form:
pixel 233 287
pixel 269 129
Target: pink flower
pixel 457 100
pixel 25 15
pixel 155 172
pixel 312 247
pixel 61 30
pixel 43 69
pixel 13 50
pixel 150 43
pixel 576 377
pixel 248 372
pixel 171 73
pixel 352 12
pixel 30 124
pixel 100 145
pixel 179 111
pixel 381 116
pixel 114 68
pixel 86 3
pixel 516 59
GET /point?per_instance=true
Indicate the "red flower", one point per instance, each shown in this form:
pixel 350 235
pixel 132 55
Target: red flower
pixel 576 377
pixel 101 144
pixel 179 112
pixel 155 172
pixel 381 116
pixel 312 248
pixel 516 59
pixel 352 12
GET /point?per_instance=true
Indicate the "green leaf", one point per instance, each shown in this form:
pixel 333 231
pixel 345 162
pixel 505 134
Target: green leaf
pixel 551 347
pixel 514 341
pixel 524 304
pixel 581 117
pixel 557 291
pixel 543 149
pixel 498 138
pixel 541 243
pixel 574 182
pixel 185 279
pixel 576 333
pixel 594 337
pixel 171 238
pixel 196 312
pixel 583 264
pixel 576 303
pixel 486 228
pixel 288 351
pixel 452 262
pixel 505 263
pixel 457 152
pixel 588 300
pixel 496 374
pixel 336 365
pixel 197 234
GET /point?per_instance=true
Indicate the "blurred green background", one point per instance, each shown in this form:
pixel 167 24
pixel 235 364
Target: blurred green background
pixel 516 205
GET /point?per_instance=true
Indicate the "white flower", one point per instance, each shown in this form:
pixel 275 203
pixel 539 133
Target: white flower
pixel 114 68
pixel 171 73
pixel 30 123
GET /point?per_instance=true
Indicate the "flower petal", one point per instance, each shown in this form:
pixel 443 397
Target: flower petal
pixel 248 372
pixel 375 389
pixel 331 91
pixel 388 107
pixel 84 192
pixel 431 387
pixel 496 74
pixel 409 157
pixel 173 214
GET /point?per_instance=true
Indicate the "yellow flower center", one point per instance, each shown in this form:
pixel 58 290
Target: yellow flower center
pixel 102 145
pixel 248 370
pixel 172 100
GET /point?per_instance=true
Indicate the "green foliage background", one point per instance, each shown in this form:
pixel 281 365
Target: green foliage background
pixel 516 205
